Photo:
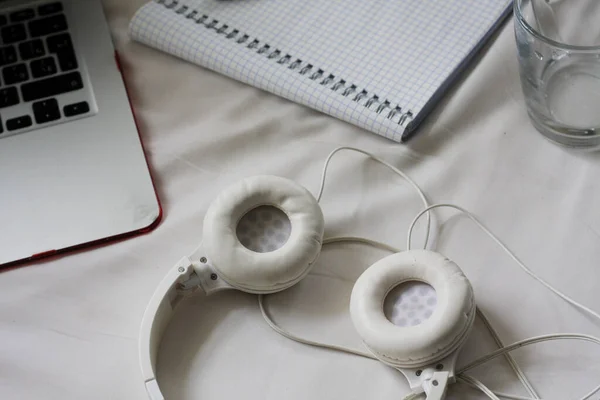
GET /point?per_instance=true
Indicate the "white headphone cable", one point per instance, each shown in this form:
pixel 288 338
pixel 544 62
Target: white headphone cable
pixel 469 380
pixel 298 339
pixel 480 386
pixel 505 350
pixel 390 167
pixel 357 239
pixel 502 351
pixel 342 349
pixel 503 246
pixel 384 246
pixel 530 341
pixel 524 268
pixel 511 361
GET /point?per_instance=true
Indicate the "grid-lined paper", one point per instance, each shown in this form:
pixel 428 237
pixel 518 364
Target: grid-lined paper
pixel 402 53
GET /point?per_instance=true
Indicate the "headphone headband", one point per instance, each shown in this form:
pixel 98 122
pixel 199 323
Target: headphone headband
pixel 156 318
pixel 223 262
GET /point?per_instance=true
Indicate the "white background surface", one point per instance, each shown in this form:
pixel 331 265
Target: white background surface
pixel 68 327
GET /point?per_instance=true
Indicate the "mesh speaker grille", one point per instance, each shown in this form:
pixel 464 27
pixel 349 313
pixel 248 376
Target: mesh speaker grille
pixel 264 229
pixel 410 303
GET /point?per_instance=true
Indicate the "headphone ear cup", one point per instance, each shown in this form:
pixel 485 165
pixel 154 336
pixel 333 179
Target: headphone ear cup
pixel 435 338
pixel 275 264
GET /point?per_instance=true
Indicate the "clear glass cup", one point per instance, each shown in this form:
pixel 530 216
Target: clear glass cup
pixel 558 43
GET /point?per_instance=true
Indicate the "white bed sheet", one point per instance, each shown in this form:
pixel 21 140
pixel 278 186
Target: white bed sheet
pixel 69 327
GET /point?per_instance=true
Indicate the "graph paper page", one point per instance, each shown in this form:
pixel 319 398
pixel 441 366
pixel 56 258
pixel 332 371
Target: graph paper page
pixel 400 53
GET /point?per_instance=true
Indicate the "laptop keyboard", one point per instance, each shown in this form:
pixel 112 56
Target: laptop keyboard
pixel 38 63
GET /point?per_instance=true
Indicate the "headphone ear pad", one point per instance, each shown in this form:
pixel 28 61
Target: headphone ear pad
pixel 277 268
pixel 444 332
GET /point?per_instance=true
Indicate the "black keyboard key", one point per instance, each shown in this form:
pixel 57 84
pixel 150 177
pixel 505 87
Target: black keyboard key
pixel 13 33
pixel 32 49
pixel 76 109
pixel 46 111
pixel 43 67
pixel 63 47
pixel 51 8
pixel 3 20
pixel 8 55
pixel 60 42
pixel 15 74
pixel 22 15
pixel 48 25
pixel 67 60
pixel 19 123
pixel 9 97
pixel 51 86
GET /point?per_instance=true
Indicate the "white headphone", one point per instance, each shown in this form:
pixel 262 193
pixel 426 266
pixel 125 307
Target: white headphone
pixel 263 235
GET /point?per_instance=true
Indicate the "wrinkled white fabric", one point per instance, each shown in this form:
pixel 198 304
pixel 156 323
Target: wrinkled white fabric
pixel 69 326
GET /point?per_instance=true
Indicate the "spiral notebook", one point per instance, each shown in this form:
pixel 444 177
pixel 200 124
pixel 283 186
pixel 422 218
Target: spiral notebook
pixel 378 64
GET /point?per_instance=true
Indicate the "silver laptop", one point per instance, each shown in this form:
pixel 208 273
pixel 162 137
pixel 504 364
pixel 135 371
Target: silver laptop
pixel 72 167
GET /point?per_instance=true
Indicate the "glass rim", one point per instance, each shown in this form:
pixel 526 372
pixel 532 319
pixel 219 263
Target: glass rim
pixel 521 19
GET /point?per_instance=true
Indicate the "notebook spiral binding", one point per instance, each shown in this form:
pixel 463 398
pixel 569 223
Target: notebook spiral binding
pixel 371 101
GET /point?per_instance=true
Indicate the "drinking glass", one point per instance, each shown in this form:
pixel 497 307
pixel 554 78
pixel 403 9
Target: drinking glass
pixel 558 43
